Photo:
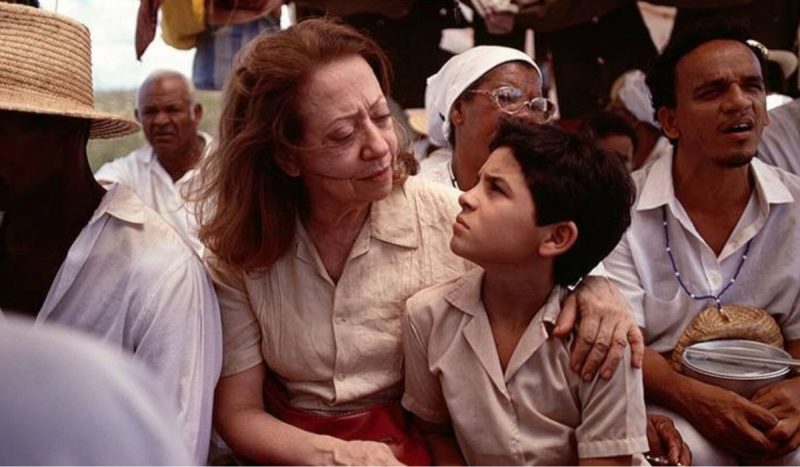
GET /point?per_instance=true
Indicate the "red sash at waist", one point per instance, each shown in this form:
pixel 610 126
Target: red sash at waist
pixel 386 423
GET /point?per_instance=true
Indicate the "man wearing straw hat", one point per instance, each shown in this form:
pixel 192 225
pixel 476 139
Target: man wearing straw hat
pixel 712 250
pixel 80 255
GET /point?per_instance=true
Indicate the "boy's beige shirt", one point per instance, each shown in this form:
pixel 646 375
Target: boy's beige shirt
pixel 538 411
pixel 337 346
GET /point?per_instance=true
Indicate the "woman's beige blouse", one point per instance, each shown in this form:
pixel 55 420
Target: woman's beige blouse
pixel 338 346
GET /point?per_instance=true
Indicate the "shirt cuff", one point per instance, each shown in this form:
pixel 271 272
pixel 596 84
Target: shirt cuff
pixel 612 447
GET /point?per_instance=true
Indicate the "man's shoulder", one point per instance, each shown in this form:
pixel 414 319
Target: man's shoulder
pixel 142 232
pixel 791 180
pixel 123 168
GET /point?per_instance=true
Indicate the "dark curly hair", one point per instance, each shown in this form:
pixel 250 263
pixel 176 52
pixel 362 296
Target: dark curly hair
pixel 570 179
pixel 661 76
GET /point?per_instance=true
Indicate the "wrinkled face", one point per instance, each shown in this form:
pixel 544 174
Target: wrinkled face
pixel 168 115
pixel 348 134
pixel 33 151
pixel 475 118
pixel 622 144
pixel 720 108
pixel 497 220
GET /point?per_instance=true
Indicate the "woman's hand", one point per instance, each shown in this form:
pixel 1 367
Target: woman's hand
pixel 253 433
pixel 606 327
pixel 362 453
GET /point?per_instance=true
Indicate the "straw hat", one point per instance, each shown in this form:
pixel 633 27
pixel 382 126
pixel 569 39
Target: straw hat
pixel 46 68
pixel 731 322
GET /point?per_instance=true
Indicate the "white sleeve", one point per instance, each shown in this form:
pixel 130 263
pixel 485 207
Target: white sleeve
pixel 115 171
pixel 182 341
pixel 68 399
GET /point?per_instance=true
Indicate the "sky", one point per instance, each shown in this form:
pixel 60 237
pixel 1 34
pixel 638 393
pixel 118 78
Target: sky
pixel 112 24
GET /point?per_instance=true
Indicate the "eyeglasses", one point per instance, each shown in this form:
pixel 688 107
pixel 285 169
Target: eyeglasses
pixel 511 101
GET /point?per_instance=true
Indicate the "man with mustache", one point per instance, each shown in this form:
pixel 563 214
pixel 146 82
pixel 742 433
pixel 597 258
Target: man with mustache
pixel 713 227
pixel 160 171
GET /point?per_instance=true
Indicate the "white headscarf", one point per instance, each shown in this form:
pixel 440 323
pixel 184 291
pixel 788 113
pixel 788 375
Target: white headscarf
pixel 455 76
pixel 635 94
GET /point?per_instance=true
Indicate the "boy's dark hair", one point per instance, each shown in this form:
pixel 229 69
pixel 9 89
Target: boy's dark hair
pixel 604 123
pixel 661 76
pixel 572 180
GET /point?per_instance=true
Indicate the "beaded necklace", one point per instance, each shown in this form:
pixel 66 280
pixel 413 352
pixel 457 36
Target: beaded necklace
pixel 691 295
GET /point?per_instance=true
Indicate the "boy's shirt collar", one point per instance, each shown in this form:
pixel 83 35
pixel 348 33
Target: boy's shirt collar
pixel 466 297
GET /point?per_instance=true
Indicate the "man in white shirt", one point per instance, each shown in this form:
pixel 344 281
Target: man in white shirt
pixel 88 257
pixel 714 226
pixel 161 172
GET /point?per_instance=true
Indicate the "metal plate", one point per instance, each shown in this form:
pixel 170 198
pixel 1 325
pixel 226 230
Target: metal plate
pixel 745 371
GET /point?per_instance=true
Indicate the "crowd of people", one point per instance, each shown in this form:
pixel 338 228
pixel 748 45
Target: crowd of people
pixel 306 288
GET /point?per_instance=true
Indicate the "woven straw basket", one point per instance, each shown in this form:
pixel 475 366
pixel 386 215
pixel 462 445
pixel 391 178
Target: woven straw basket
pixel 46 68
pixel 731 322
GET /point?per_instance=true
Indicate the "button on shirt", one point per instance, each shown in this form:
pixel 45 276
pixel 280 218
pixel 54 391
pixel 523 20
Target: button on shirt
pixel 130 280
pixel 768 278
pixel 337 346
pixel 537 412
pixel 141 171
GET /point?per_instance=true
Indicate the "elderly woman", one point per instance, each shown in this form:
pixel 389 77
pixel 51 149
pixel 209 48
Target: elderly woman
pixel 316 237
pixel 464 102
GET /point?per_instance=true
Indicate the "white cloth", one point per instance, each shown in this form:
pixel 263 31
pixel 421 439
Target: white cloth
pixel 455 76
pixel 536 412
pixel 67 400
pixel 131 280
pixel 768 279
pixel 780 142
pixel 438 168
pixel 635 94
pixel 142 171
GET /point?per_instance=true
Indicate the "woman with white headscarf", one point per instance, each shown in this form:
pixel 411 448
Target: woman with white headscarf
pixel 465 100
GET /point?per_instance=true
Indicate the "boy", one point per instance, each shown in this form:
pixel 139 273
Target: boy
pixel 547 208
